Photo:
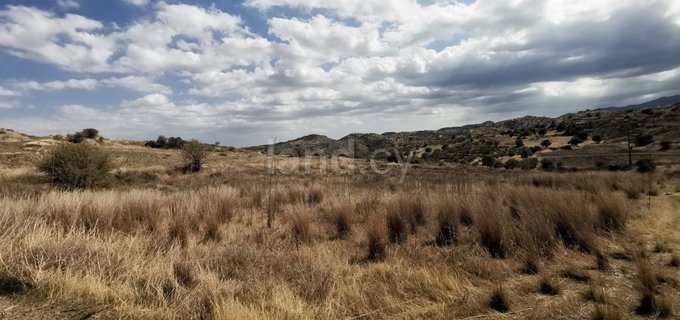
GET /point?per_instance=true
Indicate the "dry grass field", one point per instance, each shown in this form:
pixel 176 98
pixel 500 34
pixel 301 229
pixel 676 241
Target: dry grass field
pixel 446 243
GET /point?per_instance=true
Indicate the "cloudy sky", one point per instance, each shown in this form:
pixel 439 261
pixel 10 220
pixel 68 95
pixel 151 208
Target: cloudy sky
pixel 243 72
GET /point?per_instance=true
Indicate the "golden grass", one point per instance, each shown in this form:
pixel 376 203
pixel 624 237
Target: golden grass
pixel 197 247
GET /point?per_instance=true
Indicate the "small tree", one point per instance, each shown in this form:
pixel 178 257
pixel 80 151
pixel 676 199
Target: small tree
pixel 77 166
pixel 645 165
pixel 90 133
pixel 195 153
pixel 77 137
pixel 546 143
pixel 665 145
pixel 547 165
pixel 642 140
pixel 488 160
pixel 519 143
pixel 575 141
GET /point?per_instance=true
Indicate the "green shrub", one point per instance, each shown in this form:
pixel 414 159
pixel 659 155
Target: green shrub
pixel 546 143
pixel 90 133
pixel 665 145
pixel 547 165
pixel 488 160
pixel 77 166
pixel 77 137
pixel 642 140
pixel 645 165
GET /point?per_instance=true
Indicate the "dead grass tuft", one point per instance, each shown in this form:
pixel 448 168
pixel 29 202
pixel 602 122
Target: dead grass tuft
pixel 377 242
pixel 342 218
pixel 675 260
pixel 612 213
pixel 397 228
pixel 300 225
pixel 184 274
pixel 499 300
pixel 606 313
pixel 548 287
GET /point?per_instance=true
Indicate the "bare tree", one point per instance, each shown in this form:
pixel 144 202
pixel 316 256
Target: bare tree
pixel 195 153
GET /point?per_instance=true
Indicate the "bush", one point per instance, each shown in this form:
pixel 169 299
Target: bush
pixel 488 160
pixel 529 164
pixel 642 140
pixel 665 145
pixel 90 133
pixel 597 138
pixel 519 143
pixel 77 166
pixel 77 137
pixel 547 165
pixel 575 141
pixel 195 153
pixel 645 165
pixel 546 143
pixel 511 164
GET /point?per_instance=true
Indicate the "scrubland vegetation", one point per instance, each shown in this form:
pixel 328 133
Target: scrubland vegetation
pixel 443 244
pixel 178 229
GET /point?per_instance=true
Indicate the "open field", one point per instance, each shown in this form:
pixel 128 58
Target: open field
pixel 158 244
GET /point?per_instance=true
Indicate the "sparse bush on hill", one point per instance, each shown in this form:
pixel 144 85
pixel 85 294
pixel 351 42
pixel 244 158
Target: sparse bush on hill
pixel 642 140
pixel 546 143
pixel 665 145
pixel 166 143
pixel 547 165
pixel 529 164
pixel 519 143
pixel 77 166
pixel 77 137
pixel 511 164
pixel 488 160
pixel 90 133
pixel 597 138
pixel 575 141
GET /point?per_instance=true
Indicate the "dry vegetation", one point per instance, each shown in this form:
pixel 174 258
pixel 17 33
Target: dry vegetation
pixel 444 244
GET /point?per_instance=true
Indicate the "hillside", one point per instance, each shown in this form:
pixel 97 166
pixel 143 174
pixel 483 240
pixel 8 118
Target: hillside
pixel 610 128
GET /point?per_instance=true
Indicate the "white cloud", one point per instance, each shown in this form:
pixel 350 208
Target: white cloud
pixel 139 3
pixel 132 83
pixel 370 63
pixel 68 4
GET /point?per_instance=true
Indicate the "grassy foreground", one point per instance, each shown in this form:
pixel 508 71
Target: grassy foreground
pixel 443 244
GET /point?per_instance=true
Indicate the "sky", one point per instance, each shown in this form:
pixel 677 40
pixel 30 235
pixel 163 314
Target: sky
pixel 244 72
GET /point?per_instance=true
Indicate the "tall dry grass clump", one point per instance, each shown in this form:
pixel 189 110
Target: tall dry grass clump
pixel 447 219
pixel 377 241
pixel 612 212
pixel 650 303
pixel 300 221
pixel 343 216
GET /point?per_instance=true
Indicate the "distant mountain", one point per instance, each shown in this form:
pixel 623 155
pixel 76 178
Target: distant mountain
pixel 463 144
pixel 663 101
